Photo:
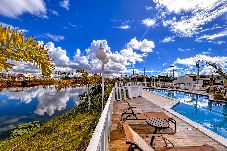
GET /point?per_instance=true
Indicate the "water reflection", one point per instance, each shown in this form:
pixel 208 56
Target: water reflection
pixel 210 114
pixel 49 99
pixel 19 105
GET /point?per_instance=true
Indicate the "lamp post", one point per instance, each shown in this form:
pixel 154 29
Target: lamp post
pixel 197 65
pixel 101 55
pixel 173 70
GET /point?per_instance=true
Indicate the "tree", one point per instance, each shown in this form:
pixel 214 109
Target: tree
pixel 88 80
pixel 218 69
pixel 15 47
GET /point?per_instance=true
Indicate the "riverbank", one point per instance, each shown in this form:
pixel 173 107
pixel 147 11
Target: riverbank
pixel 70 131
pixel 9 84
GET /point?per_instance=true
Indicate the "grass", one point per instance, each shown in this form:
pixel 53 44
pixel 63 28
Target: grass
pixel 70 131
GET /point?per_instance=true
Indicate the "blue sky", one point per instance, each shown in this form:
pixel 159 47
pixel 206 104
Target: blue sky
pixel 176 32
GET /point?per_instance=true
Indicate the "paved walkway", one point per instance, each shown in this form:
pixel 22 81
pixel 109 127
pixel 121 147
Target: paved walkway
pixel 186 135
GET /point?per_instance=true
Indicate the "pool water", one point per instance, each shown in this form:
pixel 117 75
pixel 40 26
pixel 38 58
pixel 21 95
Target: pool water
pixel 198 108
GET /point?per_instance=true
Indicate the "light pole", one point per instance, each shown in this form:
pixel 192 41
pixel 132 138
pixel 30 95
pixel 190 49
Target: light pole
pixel 173 70
pixel 197 65
pixel 101 55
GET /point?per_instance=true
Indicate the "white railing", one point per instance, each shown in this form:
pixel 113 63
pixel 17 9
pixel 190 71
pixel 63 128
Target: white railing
pixel 100 138
pixel 123 92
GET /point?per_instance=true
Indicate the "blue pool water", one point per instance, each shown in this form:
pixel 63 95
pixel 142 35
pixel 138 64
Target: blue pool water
pixel 198 108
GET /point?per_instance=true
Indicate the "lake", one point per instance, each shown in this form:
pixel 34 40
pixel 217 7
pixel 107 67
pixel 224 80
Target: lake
pixel 41 103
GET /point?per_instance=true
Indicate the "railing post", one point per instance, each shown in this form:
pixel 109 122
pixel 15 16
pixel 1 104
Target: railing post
pixel 120 91
pixel 124 93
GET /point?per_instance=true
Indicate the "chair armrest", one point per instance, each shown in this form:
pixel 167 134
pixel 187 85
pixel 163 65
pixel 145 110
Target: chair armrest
pixel 172 120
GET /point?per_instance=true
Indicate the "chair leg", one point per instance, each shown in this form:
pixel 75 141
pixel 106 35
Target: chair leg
pixel 132 147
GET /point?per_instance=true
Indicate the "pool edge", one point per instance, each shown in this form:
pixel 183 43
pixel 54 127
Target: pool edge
pixel 218 138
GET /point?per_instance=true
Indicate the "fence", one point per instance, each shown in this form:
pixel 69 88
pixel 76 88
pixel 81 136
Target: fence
pixel 100 138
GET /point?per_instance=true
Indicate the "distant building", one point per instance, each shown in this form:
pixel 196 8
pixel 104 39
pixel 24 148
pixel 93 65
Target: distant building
pixel 189 81
pixel 16 76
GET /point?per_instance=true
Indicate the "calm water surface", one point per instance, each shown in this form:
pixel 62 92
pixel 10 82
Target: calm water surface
pixel 40 103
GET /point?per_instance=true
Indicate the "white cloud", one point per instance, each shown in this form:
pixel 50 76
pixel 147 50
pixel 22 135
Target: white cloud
pixel 148 22
pixel 182 50
pixel 65 4
pixel 220 42
pixel 191 61
pixel 148 8
pixel 199 13
pixel 206 52
pixel 81 60
pixel 54 12
pixel 214 36
pixel 144 46
pixel 58 55
pixel 123 27
pixel 130 56
pixel 15 28
pixel 15 8
pixel 177 6
pixel 118 61
pixel 24 67
pixel 168 39
pixel 55 38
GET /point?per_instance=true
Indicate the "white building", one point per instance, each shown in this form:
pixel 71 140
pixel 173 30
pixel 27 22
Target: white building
pixel 190 81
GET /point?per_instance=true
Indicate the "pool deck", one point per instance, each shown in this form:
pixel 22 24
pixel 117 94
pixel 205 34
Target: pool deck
pixel 186 135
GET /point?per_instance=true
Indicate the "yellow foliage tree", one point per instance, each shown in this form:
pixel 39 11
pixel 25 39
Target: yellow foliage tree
pixel 14 46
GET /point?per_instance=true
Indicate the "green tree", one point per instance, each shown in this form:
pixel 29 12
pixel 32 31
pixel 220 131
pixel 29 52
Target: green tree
pixel 14 46
pixel 218 69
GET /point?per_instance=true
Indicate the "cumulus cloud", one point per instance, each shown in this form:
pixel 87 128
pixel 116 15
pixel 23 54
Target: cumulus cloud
pixel 148 22
pixel 119 61
pixel 169 71
pixel 15 8
pixel 56 38
pixel 58 55
pixel 65 4
pixel 168 39
pixel 144 46
pixel 191 61
pixel 194 14
pixel 25 67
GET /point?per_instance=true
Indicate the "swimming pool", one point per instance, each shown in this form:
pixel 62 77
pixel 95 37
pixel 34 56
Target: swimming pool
pixel 198 108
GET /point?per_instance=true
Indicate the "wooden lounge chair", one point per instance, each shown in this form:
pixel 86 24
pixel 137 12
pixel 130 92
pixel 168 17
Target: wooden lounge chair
pixel 135 113
pixel 136 142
